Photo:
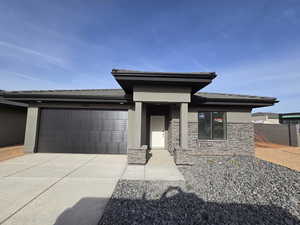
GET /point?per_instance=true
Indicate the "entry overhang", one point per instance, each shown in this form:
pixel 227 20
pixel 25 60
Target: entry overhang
pixel 128 79
pixel 161 94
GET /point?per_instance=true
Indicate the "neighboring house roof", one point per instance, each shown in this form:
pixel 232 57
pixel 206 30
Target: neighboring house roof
pixel 269 114
pixel 118 95
pixel 295 115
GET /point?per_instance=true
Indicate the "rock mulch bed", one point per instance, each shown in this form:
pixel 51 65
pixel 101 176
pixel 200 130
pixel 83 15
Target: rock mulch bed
pixel 218 190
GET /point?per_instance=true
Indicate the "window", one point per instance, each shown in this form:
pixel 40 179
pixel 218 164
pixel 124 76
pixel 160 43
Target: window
pixel 212 125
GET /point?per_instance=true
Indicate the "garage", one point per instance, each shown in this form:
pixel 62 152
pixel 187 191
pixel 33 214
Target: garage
pixel 82 131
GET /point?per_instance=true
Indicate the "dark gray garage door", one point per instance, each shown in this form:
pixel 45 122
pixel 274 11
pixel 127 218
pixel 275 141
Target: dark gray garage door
pixel 83 131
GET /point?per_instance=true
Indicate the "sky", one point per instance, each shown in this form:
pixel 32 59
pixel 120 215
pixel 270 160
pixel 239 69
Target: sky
pixel 253 46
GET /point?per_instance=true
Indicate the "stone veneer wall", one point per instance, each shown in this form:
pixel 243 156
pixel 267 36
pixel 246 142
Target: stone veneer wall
pixel 137 155
pixel 240 137
pixel 240 141
pixel 173 135
pixel 173 129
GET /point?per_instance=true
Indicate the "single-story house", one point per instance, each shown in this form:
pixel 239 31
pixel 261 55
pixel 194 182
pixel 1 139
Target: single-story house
pixel 153 110
pixel 266 118
pixel 12 122
pixel 289 118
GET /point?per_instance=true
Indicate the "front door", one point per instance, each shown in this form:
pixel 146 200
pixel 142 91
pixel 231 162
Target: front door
pixel 157 132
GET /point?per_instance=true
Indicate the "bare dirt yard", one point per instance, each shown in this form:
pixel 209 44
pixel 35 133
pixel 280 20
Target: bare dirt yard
pixel 280 154
pixel 11 152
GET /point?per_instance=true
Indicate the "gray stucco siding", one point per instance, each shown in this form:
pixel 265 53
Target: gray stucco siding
pixel 131 126
pixel 161 94
pixel 31 129
pixel 12 125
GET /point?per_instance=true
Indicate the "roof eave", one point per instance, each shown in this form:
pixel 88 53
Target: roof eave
pixel 116 72
pixel 253 103
pixel 8 95
pixel 79 100
pixel 12 103
pixel 129 79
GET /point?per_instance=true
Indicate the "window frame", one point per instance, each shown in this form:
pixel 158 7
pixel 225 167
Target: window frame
pixel 211 125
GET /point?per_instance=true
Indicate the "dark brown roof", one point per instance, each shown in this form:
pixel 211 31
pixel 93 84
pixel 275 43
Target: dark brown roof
pixel 211 95
pixel 118 95
pixel 82 92
pixel 147 73
pixel 128 79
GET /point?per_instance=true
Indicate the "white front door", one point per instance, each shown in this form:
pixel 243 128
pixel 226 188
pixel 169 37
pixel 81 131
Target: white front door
pixel 157 132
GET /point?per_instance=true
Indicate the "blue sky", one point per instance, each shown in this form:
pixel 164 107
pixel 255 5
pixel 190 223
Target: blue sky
pixel 254 46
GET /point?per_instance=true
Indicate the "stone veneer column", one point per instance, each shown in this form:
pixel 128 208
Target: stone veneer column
pixel 184 125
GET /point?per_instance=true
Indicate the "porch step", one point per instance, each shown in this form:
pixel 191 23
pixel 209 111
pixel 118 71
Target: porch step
pixel 160 166
pixel 11 152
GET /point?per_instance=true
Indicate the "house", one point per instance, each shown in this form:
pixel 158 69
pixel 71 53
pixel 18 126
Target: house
pixel 12 122
pixel 266 118
pixel 153 110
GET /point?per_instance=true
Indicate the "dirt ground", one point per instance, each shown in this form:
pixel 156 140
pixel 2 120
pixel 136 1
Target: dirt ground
pixel 280 154
pixel 11 152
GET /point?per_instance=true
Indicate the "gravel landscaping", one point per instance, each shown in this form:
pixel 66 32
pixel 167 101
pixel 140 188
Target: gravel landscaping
pixel 218 190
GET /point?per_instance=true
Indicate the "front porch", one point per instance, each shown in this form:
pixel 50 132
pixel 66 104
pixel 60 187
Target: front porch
pixel 158 117
pixel 158 126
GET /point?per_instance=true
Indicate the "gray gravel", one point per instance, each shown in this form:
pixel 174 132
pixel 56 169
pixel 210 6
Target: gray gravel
pixel 218 190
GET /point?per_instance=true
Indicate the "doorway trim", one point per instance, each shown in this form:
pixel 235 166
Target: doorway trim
pixel 157 139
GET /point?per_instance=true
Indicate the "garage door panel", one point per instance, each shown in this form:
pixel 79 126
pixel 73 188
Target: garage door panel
pixel 83 131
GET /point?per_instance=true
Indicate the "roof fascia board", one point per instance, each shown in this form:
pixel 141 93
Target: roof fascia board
pixel 68 96
pixel 166 79
pixel 69 100
pixel 210 75
pixel 12 103
pixel 251 104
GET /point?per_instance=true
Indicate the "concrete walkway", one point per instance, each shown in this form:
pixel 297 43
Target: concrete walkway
pixel 57 189
pixel 160 166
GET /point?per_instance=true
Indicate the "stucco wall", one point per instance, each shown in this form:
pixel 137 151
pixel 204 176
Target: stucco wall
pixel 161 94
pixel 131 125
pixel 31 129
pixel 132 133
pixel 12 125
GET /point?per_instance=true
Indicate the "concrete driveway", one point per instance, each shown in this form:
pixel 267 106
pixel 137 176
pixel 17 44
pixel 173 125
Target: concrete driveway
pixel 57 189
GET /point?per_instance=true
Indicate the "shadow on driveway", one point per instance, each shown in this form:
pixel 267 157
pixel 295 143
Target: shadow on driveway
pixel 173 207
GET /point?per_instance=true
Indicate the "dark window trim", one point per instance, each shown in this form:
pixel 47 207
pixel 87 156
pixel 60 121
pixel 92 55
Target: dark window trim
pixel 211 126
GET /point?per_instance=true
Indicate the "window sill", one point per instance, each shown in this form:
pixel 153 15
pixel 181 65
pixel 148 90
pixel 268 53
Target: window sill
pixel 212 140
